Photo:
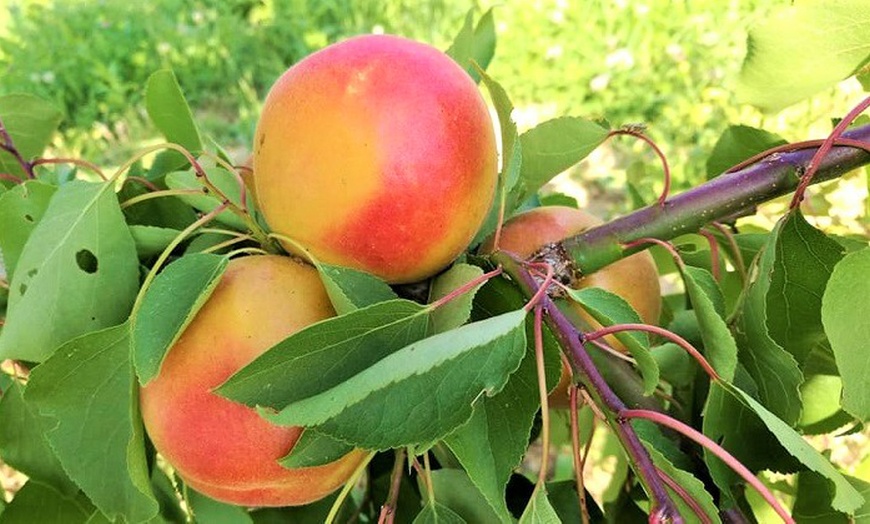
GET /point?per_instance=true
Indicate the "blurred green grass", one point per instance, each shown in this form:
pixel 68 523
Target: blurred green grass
pixel 668 64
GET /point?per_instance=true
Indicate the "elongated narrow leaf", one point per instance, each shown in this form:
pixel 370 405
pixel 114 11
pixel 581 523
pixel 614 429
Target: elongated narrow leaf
pixel 511 157
pixel 539 510
pixel 31 123
pixel 333 350
pixel 456 312
pixel 832 40
pixel 351 289
pixel 21 208
pixel 169 304
pixel 222 179
pixel 844 312
pixel 315 449
pixel 609 309
pixel 77 273
pixel 23 444
pixel 474 43
pixel 720 348
pixel 420 393
pixel 113 474
pixel 170 113
pixel 552 147
pixel 689 484
pixel 492 443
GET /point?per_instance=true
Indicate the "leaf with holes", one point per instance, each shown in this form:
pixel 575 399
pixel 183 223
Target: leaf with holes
pixel 77 273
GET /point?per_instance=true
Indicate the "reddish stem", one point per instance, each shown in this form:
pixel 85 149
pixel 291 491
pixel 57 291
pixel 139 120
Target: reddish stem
pixel 737 256
pixel 667 245
pixel 712 447
pixel 579 461
pixel 75 161
pixel 544 286
pixel 687 498
pixel 6 144
pixel 673 337
pixel 11 178
pixel 667 170
pixel 823 150
pixel 144 181
pixel 388 510
pixel 714 252
pixel 464 288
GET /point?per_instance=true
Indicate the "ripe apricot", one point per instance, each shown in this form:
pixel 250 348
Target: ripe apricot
pixel 633 278
pixel 376 153
pixel 224 449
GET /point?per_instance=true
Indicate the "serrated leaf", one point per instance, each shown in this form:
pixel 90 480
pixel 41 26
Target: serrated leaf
pixel 456 312
pixel 169 305
pixel 539 510
pixel 736 144
pixel 832 40
pixel 436 513
pixel 23 444
pixel 691 485
pixel 335 349
pixel 420 393
pixel 805 258
pixel 474 43
pixel 21 209
pixel 87 394
pixel 708 305
pixel 552 147
pixel 609 309
pixel 78 273
pixel 350 289
pixel 813 501
pixel 209 511
pixel 845 304
pixel 454 489
pixel 31 122
pixel 42 503
pixel 492 443
pixel 846 498
pixel 222 179
pixel 170 113
pixel 315 449
pixel 151 240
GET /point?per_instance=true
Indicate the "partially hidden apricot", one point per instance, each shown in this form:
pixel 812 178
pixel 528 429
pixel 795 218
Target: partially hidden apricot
pixel 633 278
pixel 224 449
pixel 376 153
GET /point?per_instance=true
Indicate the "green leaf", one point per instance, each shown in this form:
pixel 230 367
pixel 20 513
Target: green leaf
pixel 492 444
pixel 609 309
pixel 436 513
pixel 21 208
pixel 813 501
pixel 31 122
pixel 77 273
pixel 151 240
pixel 738 143
pixel 223 180
pixel 420 393
pixel 88 396
pixel 539 510
pixel 454 489
pixel 334 350
pixel 170 113
pixel 166 212
pixel 456 312
pixel 511 147
pixel 708 305
pixel 42 503
pixel 831 39
pixel 23 444
pixel 822 413
pixel 350 289
pixel 844 313
pixel 210 511
pixel 846 498
pixel 169 305
pixel 552 147
pixel 805 258
pixel 691 485
pixel 677 367
pixel 475 44
pixel 315 449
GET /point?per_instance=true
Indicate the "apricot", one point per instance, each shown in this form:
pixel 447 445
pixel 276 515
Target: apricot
pixel 224 449
pixel 633 278
pixel 376 153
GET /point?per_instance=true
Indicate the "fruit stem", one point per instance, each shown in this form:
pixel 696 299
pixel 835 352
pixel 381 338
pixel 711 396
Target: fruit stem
pixel 388 510
pixel 724 196
pixel 713 448
pixel 602 395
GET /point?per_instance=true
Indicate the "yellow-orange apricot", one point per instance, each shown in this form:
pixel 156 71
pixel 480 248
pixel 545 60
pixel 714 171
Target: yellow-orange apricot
pixel 376 153
pixel 224 449
pixel 633 278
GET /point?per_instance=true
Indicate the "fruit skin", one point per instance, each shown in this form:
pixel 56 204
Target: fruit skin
pixel 221 448
pixel 633 278
pixel 376 153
